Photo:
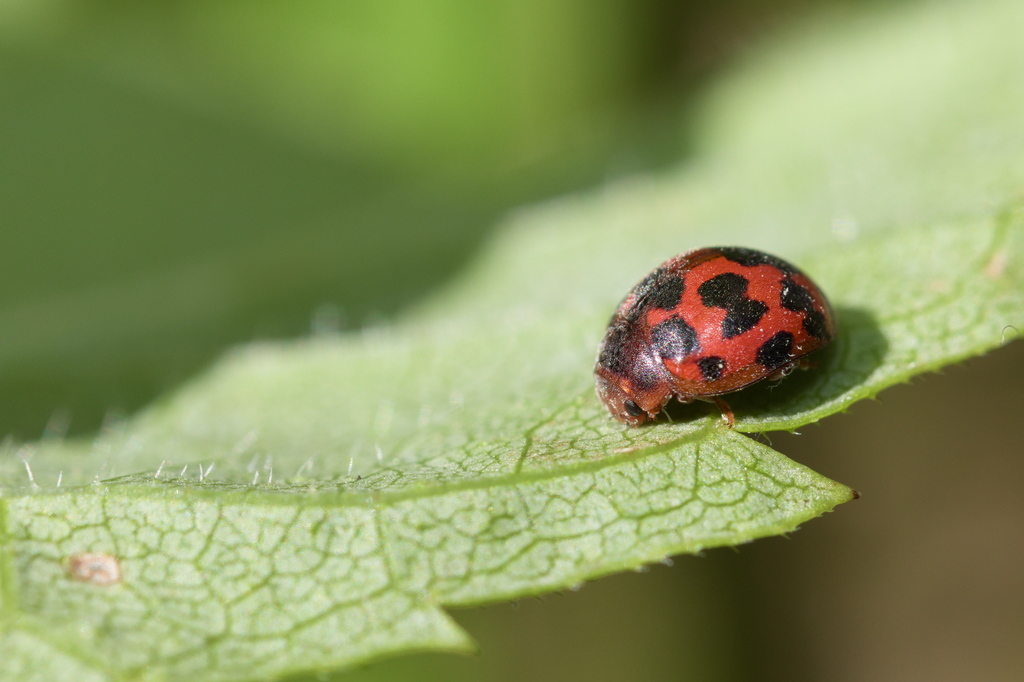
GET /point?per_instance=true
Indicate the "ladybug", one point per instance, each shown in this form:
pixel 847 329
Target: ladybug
pixel 708 322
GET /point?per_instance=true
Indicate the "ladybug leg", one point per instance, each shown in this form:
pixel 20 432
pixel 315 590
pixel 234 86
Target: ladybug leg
pixel 723 407
pixel 726 411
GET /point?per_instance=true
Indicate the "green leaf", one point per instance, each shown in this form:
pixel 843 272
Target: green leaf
pixel 232 583
pixel 310 505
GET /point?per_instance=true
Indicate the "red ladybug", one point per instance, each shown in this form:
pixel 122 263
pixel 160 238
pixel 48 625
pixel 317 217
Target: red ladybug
pixel 708 322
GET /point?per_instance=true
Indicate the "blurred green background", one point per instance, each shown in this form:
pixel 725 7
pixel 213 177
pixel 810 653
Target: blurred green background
pixel 180 176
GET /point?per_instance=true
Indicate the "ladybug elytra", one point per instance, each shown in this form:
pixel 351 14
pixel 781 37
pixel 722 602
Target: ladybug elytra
pixel 705 323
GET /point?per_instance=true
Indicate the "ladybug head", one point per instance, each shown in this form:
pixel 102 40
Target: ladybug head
pixel 628 405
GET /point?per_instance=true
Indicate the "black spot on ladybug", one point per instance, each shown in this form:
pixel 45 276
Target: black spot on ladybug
pixel 667 294
pixel 797 298
pixel 646 284
pixel 776 351
pixel 729 291
pixel 751 258
pixel 711 367
pixel 623 352
pixel 612 355
pixel 743 317
pixel 814 324
pixel 674 339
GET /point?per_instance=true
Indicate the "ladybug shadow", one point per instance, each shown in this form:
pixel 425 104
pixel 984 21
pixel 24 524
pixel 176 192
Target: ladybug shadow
pixel 857 350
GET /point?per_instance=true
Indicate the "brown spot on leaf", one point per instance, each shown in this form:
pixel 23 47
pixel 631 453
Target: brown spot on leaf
pixel 98 569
